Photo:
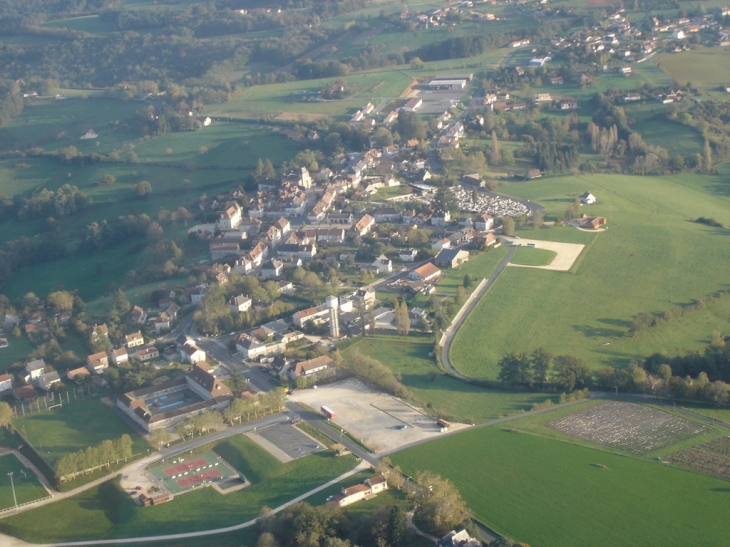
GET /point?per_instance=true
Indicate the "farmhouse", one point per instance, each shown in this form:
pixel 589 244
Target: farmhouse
pixel 586 198
pixel 427 272
pixel 311 367
pixel 452 258
pixel 591 222
pixel 199 390
pixel 367 489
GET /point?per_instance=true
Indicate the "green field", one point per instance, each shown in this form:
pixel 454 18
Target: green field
pixel 107 511
pixel 703 67
pixel 651 258
pixel 533 257
pixel 75 426
pixel 570 500
pixel 675 137
pixel 445 395
pixel 26 489
pixel 722 414
pixel 479 267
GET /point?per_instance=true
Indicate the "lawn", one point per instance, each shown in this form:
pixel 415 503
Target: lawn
pixel 107 511
pixel 651 258
pixel 533 257
pixel 675 137
pixel 443 394
pixel 574 495
pixel 479 267
pixel 27 488
pixel 75 426
pixel 722 414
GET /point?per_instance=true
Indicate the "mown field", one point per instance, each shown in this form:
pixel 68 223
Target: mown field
pixel 533 257
pixel 705 68
pixel 442 394
pixel 73 427
pixel 574 495
pixel 652 258
pixel 107 511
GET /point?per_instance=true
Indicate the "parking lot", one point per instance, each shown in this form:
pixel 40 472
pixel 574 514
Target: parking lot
pixel 380 421
pixel 285 442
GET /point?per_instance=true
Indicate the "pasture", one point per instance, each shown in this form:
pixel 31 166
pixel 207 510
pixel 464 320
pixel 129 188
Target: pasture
pixel 675 137
pixel 533 257
pixel 563 486
pixel 651 258
pixel 27 487
pixel 441 393
pixel 107 511
pixel 73 427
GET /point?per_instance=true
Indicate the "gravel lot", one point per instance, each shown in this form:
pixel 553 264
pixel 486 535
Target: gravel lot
pixel 372 417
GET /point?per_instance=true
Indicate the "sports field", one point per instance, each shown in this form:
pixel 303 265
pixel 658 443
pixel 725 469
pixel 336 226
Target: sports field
pixel 650 259
pixel 574 495
pixel 74 426
pixel 27 487
pixel 183 474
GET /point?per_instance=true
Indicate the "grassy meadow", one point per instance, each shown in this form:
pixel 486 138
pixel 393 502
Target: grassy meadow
pixel 705 68
pixel 409 357
pixel 562 486
pixel 651 258
pixel 107 511
pixel 529 256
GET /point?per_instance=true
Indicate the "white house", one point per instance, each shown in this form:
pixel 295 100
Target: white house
pixel 407 255
pixel 190 353
pixel 6 383
pixel 239 304
pixel 484 222
pixel 587 198
pixel 383 264
pixel 47 380
pixel 36 369
pixel 427 272
pixel 120 356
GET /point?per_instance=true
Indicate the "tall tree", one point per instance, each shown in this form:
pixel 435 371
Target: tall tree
pixel 571 372
pixel 514 368
pixel 6 414
pixel 508 226
pixel 438 503
pixel 541 360
pixel 495 156
pixel 537 220
pixel 707 157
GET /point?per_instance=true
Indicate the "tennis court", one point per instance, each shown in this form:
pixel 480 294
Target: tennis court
pixel 179 474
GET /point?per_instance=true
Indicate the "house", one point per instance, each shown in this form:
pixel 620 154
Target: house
pixel 120 356
pixel 678 34
pixel 331 235
pixel 592 223
pixel 440 218
pixel 272 269
pixel 77 373
pixel 10 321
pixel 452 258
pixel 533 174
pixel 190 353
pixel 586 198
pixel 311 367
pixel 460 539
pixel 239 304
pixel 368 488
pixel 364 225
pixel 382 264
pixel 633 96
pixel 407 255
pixel 47 380
pixel 387 214
pixel 25 393
pixel 98 362
pixel 557 80
pixel 6 383
pixel 133 340
pixel 302 317
pixel 35 369
pixel 138 315
pixel 412 105
pixel 162 322
pixel 366 296
pixel 444 243
pixel 484 222
pixel 249 347
pixel 146 353
pixel 4 343
pixel 427 272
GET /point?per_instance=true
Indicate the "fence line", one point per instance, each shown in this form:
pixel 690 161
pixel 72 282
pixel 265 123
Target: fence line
pixel 13 508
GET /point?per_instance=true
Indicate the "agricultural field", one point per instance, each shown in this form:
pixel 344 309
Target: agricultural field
pixel 441 393
pixel 636 429
pixel 712 458
pixel 721 414
pixel 27 487
pixel 73 427
pixel 107 511
pixel 651 258
pixel 675 137
pixel 521 473
pixel 533 257
pixel 705 68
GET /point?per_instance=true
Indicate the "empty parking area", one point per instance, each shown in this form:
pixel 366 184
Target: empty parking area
pixel 285 442
pixel 382 422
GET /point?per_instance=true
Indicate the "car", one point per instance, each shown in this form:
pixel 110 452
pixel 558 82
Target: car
pixel 517 237
pixel 403 426
pixel 330 498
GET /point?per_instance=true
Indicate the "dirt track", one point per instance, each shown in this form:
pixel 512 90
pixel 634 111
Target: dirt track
pixel 567 253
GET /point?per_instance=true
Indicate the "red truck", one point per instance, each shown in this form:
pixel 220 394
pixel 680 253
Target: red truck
pixel 327 411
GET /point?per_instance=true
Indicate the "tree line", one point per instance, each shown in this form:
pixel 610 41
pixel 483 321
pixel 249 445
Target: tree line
pixel 103 454
pixel 541 369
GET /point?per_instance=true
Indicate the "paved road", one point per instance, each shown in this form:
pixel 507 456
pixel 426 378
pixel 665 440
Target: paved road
pixel 466 309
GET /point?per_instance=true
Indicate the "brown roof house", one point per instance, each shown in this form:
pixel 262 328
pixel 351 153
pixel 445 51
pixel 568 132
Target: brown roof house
pixel 370 487
pixel 204 393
